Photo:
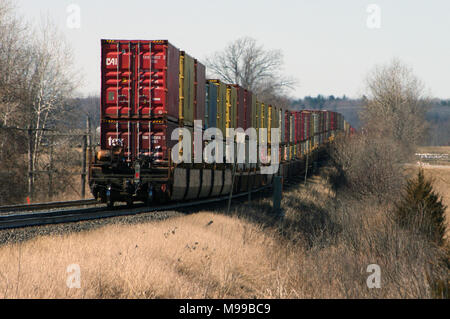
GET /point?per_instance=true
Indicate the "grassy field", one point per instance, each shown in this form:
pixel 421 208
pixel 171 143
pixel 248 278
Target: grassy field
pixel 320 250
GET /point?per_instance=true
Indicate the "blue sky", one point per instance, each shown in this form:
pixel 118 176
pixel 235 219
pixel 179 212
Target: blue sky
pixel 327 45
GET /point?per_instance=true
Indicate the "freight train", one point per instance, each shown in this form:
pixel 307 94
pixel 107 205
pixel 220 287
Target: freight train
pixel 155 97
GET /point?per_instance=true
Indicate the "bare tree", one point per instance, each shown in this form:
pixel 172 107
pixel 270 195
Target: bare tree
pixel 396 104
pixel 364 168
pixel 36 83
pixel 393 119
pixel 50 83
pixel 248 64
pixel 13 59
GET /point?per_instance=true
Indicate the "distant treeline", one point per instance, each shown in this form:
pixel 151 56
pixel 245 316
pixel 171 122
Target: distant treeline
pixel 438 115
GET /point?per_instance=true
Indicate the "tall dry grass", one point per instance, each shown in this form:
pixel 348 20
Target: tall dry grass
pixel 197 256
pixel 330 243
pixel 320 250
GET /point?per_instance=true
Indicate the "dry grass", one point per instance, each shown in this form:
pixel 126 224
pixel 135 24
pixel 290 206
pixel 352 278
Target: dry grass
pixel 179 258
pixel 337 240
pixel 320 250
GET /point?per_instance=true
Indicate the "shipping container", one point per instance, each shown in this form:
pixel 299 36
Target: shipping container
pixel 316 122
pixel 331 119
pixel 255 112
pixel 281 124
pixel 200 96
pixel 240 107
pixel 309 129
pixel 292 127
pixel 263 114
pixel 211 105
pixel 287 129
pixel 133 137
pixel 221 104
pixel 248 109
pixel 274 121
pixel 135 72
pixel 297 122
pixel 187 89
pixel 263 110
pixel 302 126
pixel 231 104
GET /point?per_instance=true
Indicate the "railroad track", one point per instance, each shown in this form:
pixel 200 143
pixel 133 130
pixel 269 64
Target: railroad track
pixel 83 214
pixel 39 206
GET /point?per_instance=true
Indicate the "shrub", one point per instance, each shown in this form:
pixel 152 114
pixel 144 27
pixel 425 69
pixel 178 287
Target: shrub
pixel 367 167
pixel 421 209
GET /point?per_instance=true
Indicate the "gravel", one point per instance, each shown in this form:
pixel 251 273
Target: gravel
pixel 18 235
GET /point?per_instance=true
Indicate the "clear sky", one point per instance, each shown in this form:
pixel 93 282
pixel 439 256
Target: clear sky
pixel 329 46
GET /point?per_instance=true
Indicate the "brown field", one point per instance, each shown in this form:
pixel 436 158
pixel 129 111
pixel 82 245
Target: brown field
pixel 321 250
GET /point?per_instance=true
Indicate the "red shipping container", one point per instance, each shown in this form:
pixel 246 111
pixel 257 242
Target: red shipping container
pixel 200 92
pixel 287 126
pixel 134 135
pixel 333 121
pixel 297 120
pixel 302 126
pixel 247 109
pixel 135 71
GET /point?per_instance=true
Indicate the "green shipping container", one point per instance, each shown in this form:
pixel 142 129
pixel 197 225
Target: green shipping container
pixel 187 89
pixel 221 104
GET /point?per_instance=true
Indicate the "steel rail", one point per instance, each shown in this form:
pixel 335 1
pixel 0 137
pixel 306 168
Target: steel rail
pixel 37 206
pixel 70 216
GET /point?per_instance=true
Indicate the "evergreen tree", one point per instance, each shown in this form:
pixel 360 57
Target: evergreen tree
pixel 421 209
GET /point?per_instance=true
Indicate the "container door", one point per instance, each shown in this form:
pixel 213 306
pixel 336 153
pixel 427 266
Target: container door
pixel 117 79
